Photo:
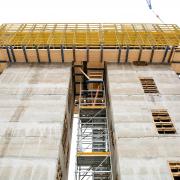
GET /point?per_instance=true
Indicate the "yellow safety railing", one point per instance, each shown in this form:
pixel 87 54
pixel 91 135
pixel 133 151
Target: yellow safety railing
pixel 89 34
pixel 93 153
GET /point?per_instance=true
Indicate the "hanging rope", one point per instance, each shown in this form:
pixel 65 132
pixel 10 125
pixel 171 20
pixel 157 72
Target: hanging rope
pixel 150 7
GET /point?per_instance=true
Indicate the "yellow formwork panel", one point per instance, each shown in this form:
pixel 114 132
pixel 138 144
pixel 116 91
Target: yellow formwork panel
pixel 81 38
pixel 89 34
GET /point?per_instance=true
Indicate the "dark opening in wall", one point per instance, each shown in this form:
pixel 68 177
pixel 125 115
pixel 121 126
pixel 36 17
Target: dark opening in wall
pixel 175 169
pixel 149 85
pixel 163 122
pixel 178 75
pixel 140 63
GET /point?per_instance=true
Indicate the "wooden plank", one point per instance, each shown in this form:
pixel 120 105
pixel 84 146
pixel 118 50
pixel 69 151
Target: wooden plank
pixel 56 55
pixel 110 55
pixel 92 107
pixel 4 55
pixel 68 55
pixel 94 55
pixel 3 66
pixel 133 55
pixel 32 55
pixel 19 54
pixel 81 55
pixel 93 153
pixel 176 67
pixel 158 56
pixel 43 55
pixel 176 56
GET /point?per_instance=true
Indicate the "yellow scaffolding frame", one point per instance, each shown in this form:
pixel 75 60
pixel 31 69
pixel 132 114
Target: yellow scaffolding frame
pixel 93 154
pixel 92 34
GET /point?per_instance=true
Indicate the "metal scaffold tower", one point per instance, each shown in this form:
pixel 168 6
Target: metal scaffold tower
pixel 93 148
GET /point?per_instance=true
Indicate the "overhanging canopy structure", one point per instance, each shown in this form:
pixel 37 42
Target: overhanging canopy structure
pixel 91 42
pixel 93 35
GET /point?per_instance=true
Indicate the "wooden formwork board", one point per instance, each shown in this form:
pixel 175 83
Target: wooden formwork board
pixel 3 55
pixel 95 64
pixel 176 56
pixel 43 55
pixel 176 61
pixel 176 67
pixel 2 67
pixel 146 55
pixel 31 54
pixel 19 55
pixel 123 56
pixel 158 56
pixel 56 56
pixel 133 55
pixel 80 55
pixel 93 55
pixel 68 55
pixel 108 55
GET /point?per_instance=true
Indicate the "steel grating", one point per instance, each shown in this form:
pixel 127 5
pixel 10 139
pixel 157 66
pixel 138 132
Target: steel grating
pixel 87 35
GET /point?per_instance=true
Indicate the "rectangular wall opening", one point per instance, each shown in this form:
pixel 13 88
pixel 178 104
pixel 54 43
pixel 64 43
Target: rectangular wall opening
pixel 163 122
pixel 175 169
pixel 149 85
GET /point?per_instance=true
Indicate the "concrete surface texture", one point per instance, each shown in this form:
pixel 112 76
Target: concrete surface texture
pixel 33 99
pixel 141 152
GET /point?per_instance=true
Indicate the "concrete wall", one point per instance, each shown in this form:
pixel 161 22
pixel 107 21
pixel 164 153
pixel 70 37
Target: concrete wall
pixel 141 152
pixel 33 101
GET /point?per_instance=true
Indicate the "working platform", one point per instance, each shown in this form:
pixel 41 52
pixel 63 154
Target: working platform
pixel 89 34
pixel 93 158
pixel 120 43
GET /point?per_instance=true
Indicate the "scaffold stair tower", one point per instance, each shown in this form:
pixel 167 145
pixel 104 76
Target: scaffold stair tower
pixel 93 149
